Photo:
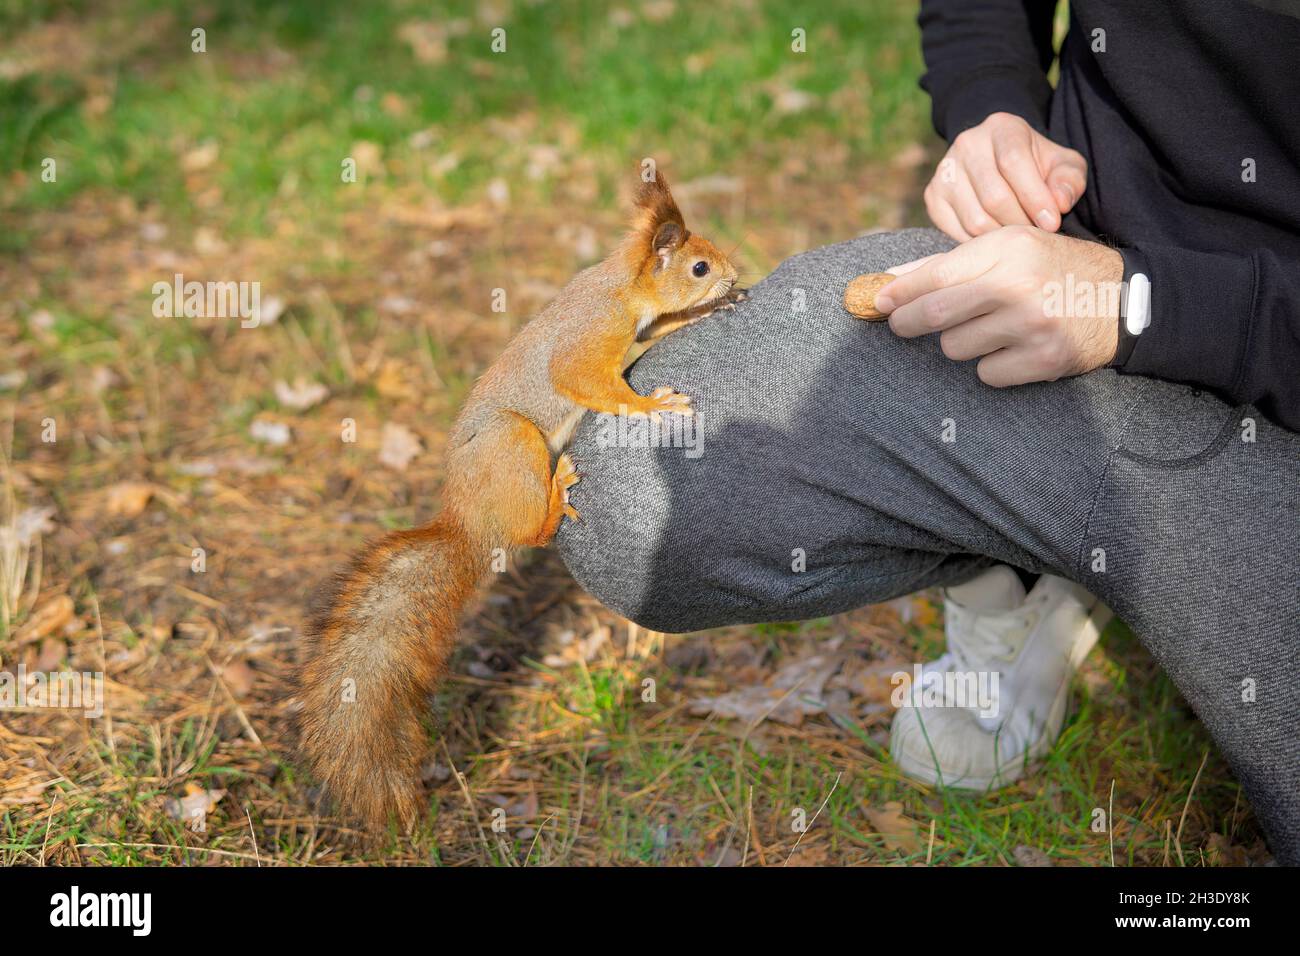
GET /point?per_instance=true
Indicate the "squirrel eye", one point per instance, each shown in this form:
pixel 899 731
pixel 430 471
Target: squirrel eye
pixel 700 269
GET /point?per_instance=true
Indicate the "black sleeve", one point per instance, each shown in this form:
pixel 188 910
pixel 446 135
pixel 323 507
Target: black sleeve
pixel 984 57
pixel 1227 322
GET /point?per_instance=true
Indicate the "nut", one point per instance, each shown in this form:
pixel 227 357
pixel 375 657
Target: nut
pixel 860 296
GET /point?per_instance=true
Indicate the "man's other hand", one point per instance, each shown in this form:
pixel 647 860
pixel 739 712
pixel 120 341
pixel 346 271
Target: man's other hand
pixel 1004 173
pixel 1032 306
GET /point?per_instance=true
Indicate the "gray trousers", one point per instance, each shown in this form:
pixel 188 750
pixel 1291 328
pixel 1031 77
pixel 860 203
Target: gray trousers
pixel 892 468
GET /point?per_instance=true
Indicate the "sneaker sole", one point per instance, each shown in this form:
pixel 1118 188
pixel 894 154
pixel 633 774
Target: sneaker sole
pixel 1012 770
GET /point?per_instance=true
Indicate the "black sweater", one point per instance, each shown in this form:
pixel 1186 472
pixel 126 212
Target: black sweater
pixel 1190 122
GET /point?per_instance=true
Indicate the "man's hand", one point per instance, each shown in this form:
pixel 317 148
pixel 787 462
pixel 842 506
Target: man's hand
pixel 1004 173
pixel 1036 305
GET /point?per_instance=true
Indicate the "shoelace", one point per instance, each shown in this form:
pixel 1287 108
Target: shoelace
pixel 972 648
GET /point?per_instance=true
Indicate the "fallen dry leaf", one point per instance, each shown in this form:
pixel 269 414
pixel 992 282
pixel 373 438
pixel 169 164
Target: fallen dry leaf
pixel 657 11
pixel 394 104
pixel 787 100
pixel 50 617
pixel 239 677
pixel 730 856
pixel 301 395
pixel 498 193
pixel 272 307
pixel 427 40
pixel 809 854
pixel 195 805
pixel 208 243
pixel 1031 856
pixel 899 831
pixel 525 808
pixel 201 157
pixel 29 525
pixel 398 445
pixel 392 381
pixel 909 157
pixel 1221 851
pixel 792 693
pixel 239 464
pixel 872 681
pixel 573 649
pixel 368 156
pixel 127 499
pixel 273 433
pixel 51 655
pixel 434 772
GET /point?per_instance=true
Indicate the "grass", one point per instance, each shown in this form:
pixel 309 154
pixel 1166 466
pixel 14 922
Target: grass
pixel 476 171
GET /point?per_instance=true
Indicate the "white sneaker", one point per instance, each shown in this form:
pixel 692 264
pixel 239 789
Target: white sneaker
pixel 996 701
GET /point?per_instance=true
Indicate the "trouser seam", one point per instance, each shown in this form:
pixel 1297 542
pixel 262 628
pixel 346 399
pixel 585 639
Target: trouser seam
pixel 1080 563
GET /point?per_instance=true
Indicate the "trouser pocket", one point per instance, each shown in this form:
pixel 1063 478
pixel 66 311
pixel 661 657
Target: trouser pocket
pixel 1173 426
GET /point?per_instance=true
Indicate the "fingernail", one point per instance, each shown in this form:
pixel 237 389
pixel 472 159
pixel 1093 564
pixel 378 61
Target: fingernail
pixel 1067 192
pixel 884 303
pixel 1045 220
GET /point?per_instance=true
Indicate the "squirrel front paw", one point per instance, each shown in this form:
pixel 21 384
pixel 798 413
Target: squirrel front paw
pixel 727 302
pixel 731 298
pixel 664 400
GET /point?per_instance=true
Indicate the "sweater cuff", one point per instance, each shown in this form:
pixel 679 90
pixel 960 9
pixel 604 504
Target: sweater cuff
pixel 1201 312
pixel 981 95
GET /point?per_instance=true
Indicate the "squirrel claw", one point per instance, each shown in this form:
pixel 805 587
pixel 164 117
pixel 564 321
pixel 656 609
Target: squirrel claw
pixel 664 400
pixel 566 476
pixel 727 303
pixel 732 298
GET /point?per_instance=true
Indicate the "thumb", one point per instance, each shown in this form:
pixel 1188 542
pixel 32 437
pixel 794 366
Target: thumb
pixel 906 267
pixel 1067 177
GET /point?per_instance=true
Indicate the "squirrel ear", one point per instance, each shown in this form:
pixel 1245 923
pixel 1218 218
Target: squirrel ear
pixel 659 222
pixel 668 238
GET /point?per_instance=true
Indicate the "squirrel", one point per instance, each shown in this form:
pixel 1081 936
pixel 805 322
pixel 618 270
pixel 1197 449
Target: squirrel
pixel 383 631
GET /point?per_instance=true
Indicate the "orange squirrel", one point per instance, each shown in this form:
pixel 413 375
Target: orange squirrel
pixel 384 631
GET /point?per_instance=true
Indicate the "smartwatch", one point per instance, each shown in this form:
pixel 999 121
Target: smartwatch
pixel 1134 304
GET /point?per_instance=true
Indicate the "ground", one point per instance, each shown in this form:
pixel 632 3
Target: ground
pixel 175 488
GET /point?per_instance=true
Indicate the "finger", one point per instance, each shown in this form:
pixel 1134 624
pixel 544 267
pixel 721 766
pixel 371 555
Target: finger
pixel 1015 160
pixel 944 216
pixel 961 264
pixel 942 309
pixel 1067 177
pixel 970 211
pixel 982 335
pixel 995 195
pixel 1007 367
pixel 906 267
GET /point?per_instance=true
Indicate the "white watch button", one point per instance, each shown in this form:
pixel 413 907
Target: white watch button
pixel 1137 314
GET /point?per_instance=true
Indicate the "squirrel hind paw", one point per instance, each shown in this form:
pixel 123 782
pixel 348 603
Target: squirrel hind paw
pixel 666 400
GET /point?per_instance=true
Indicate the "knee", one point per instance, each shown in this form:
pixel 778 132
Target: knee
pixel 615 549
pixel 659 530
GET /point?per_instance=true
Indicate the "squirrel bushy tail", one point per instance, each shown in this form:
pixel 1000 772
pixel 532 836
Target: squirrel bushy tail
pixel 378 644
